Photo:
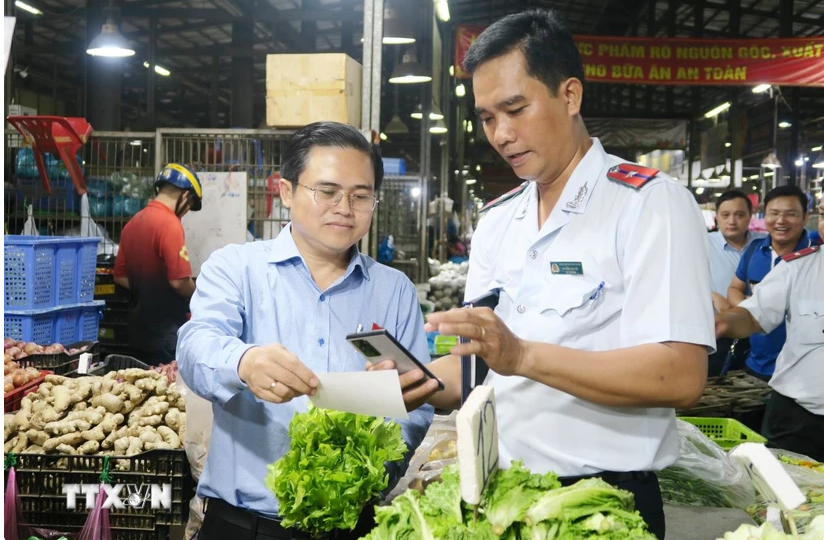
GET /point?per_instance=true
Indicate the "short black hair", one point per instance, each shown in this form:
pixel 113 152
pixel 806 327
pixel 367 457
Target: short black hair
pixel 550 52
pixel 326 134
pixel 787 191
pixel 730 195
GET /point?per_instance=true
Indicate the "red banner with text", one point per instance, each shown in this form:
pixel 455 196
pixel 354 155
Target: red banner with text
pixel 677 61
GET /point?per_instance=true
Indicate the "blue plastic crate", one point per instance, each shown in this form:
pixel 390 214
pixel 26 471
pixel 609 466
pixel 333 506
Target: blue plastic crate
pixel 69 324
pixel 43 272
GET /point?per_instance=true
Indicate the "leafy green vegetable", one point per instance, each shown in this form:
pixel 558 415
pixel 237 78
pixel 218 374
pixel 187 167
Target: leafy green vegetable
pixel 583 498
pixel 516 504
pixel 512 492
pixel 334 466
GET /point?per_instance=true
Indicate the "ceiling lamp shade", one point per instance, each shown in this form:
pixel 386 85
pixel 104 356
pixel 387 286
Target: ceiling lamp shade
pixel 771 161
pixel 434 114
pixel 396 28
pixel 438 128
pixel 409 71
pixel 110 43
pixel 396 126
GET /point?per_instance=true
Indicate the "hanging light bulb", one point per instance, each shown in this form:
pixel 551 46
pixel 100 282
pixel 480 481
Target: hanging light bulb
pixel 396 28
pixel 438 128
pixel 409 71
pixel 110 43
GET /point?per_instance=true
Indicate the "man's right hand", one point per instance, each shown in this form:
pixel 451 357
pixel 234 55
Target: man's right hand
pixel 275 374
pixel 413 396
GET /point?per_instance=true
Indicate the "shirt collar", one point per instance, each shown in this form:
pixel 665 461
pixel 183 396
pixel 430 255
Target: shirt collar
pixel 749 238
pixel 803 243
pixel 284 249
pixel 582 182
pixel 154 203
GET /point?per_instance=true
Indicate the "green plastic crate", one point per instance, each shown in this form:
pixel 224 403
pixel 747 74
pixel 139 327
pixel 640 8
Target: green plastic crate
pixel 444 343
pixel 725 432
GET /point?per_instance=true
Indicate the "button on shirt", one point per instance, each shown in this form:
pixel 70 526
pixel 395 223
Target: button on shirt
pixel 793 291
pixel 616 267
pixel 764 349
pixel 724 259
pixel 260 293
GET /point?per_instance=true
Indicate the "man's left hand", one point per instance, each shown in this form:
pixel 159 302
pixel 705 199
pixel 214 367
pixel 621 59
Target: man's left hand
pixel 490 338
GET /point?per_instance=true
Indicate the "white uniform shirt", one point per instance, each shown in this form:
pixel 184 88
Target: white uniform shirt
pixel 795 290
pixel 646 279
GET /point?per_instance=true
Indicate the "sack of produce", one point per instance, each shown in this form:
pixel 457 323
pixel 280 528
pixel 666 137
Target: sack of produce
pixel 334 467
pixel 446 290
pixel 13 512
pixel 704 475
pixel 97 524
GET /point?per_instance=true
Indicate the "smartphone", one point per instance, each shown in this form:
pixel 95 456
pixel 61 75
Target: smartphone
pixel 473 368
pixel 378 345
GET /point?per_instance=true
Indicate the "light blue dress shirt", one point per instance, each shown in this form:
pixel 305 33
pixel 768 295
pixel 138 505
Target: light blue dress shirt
pixel 724 259
pixel 260 293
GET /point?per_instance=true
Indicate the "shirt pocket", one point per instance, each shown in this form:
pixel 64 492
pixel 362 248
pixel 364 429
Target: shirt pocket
pixel 572 298
pixel 810 322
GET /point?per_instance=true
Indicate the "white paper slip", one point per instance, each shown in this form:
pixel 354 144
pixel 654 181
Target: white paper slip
pixel 375 393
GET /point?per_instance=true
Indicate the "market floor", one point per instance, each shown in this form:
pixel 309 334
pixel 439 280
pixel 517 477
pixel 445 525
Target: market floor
pixel 689 523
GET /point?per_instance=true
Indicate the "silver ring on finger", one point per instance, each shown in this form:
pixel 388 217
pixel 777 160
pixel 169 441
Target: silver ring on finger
pixel 272 386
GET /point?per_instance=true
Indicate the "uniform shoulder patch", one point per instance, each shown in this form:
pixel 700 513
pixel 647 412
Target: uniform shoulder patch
pixel 632 174
pixel 505 197
pixel 798 254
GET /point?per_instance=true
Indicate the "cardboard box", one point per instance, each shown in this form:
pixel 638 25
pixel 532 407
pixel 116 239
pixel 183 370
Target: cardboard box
pixel 306 88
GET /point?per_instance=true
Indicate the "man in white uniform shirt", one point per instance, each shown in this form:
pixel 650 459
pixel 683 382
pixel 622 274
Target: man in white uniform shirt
pixel 793 291
pixel 605 316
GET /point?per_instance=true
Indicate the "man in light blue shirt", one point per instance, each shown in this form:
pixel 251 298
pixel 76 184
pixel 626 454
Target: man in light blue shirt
pixel 733 212
pixel 267 316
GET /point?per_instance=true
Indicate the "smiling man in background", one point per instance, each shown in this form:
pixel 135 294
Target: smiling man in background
pixel 785 215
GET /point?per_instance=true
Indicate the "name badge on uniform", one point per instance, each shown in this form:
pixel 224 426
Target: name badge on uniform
pixel 569 268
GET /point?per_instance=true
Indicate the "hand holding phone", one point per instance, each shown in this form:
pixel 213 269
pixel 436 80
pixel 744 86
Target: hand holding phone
pixel 379 345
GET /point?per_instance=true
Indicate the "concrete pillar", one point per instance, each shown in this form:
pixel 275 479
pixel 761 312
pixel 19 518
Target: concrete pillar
pixel 242 76
pixel 104 75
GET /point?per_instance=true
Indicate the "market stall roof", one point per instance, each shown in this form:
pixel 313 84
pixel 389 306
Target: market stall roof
pixel 194 42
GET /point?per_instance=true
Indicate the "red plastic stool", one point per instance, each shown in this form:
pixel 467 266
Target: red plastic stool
pixel 57 135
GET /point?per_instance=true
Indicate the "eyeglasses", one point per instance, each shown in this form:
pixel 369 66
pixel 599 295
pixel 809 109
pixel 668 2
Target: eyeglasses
pixel 359 202
pixel 791 215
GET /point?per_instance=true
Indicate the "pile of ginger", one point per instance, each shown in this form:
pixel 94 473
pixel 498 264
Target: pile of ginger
pixel 122 413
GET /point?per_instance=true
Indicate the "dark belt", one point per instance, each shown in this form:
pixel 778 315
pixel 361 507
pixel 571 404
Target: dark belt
pixel 609 477
pixel 252 521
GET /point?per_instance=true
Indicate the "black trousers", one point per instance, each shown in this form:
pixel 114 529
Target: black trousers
pixel 226 522
pixel 789 426
pixel 647 493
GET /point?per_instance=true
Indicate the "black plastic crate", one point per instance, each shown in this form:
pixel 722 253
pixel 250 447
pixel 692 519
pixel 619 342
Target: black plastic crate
pixel 62 363
pixel 113 362
pixel 113 333
pixel 40 481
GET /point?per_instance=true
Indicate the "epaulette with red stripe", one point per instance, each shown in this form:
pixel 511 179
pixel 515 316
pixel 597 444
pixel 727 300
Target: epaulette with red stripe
pixel 505 197
pixel 798 254
pixel 632 174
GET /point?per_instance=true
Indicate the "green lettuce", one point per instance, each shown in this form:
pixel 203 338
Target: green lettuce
pixel 512 492
pixel 581 499
pixel 334 466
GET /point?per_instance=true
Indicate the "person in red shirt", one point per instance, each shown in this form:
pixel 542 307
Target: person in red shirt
pixel 153 264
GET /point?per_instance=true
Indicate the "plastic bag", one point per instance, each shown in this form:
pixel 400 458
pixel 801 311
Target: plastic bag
pixel 199 418
pixel 436 451
pixel 808 475
pixel 13 517
pixel 704 475
pixel 97 524
pixel 30 227
pixel 90 229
